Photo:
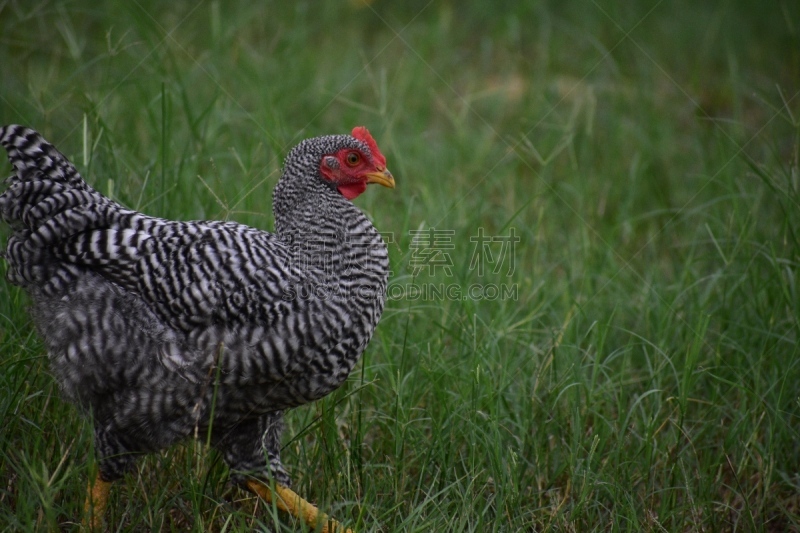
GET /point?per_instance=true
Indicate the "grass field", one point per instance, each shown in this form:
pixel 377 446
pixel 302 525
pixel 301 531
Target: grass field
pixel 630 363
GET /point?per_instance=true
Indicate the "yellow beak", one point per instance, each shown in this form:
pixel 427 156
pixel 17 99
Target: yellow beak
pixel 383 177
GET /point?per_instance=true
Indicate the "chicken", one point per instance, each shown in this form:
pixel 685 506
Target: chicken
pixel 161 330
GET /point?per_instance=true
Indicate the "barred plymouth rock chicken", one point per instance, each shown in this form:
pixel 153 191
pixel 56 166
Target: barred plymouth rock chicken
pixel 161 329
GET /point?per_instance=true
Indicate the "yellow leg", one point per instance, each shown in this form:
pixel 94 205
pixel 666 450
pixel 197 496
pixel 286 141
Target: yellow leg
pixel 289 501
pixel 95 506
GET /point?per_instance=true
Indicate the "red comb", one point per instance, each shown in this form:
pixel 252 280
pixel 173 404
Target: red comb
pixel 362 134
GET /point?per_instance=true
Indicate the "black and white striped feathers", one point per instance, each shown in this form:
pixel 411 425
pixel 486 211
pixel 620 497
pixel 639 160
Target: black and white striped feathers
pixel 146 320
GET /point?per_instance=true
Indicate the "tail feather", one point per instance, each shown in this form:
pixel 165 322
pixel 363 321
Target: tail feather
pixel 33 202
pixel 27 150
pixel 48 205
pixel 44 182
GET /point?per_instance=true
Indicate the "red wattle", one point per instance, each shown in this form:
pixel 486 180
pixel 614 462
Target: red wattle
pixel 351 190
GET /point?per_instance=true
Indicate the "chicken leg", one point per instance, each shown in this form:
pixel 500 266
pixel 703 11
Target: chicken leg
pixel 289 501
pixel 95 506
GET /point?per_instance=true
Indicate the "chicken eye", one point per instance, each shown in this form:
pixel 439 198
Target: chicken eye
pixel 353 159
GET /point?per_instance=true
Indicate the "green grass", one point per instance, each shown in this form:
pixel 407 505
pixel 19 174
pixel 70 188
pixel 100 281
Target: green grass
pixel 646 377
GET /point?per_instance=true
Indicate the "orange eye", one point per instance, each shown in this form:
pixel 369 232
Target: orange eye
pixel 353 159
